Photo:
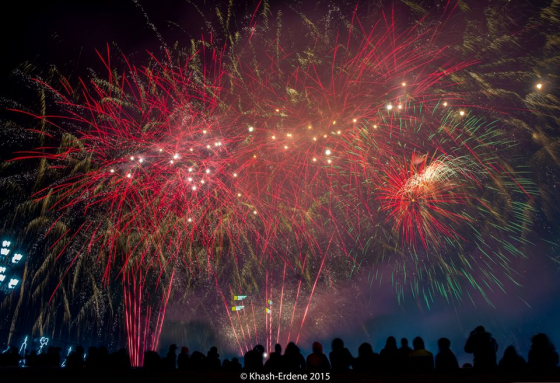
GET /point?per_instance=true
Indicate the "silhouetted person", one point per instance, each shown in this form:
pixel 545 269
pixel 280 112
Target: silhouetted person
pixel 213 359
pixel 512 363
pixel 390 355
pixel 152 361
pixel 420 359
pixel 317 361
pixel 235 366
pixel 367 360
pixel 292 360
pixel 75 360
pixel 446 361
pixel 340 356
pixel 169 361
pixel 483 347
pixel 543 357
pixel 197 361
pixel 92 358
pixel 254 359
pixel 183 359
pixel 404 350
pixel 274 362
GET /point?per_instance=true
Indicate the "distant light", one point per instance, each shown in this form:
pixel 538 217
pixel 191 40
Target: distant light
pixel 374 126
pixel 277 110
pixel 461 113
pixel 191 149
pixel 171 162
pixel 400 106
pixel 329 161
pixel 141 160
pixel 445 103
pixel 161 150
pixel 338 132
pixel 314 159
pixel 129 175
pixel 112 170
pixel 539 86
pixel 2 277
pixel 273 137
pixel 176 156
pixel 314 138
pixel 2 269
pixel 404 84
pixel 202 182
pixel 6 243
pixel 207 171
pixel 13 283
pixel 324 136
pixel 4 251
pixel 194 188
pixel 254 212
pixel 265 355
pixel 254 156
pixel 334 122
pixel 190 219
pixel 204 132
pixel 235 174
pixel 132 158
pixel 239 194
pixel 190 179
pixel 389 107
pixel 208 146
pixel 190 170
pixel 16 258
pixel 250 128
pixel 285 146
pixel 328 152
pixel 354 120
pixel 309 127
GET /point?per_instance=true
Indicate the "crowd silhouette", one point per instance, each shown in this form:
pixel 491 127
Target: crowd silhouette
pixel 542 358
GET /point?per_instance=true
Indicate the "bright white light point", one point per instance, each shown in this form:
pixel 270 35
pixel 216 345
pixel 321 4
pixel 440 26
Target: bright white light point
pixel 235 174
pixel 250 128
pixel 194 188
pixel 328 152
pixel 191 149
pixel 314 138
pixel 190 219
pixel 325 136
pixel 141 160
pixel 277 110
pixel 338 132
pixel 129 175
pixel 273 137
pixel 334 122
pixel 190 169
pixel 202 182
pixel 404 84
pixel 539 85
pixel 461 113
pixel 161 150
pixel 329 161
pixel 254 212
pixel 374 126
pixel 175 156
pixel 265 354
pixel 204 131
pixel 208 146
pixel 112 170
pixel 207 171
pixel 190 179
pixel 314 159
pixel 171 161
pixel 309 127
pixel 354 120
pixel 132 158
pixel 216 144
pixel 285 146
pixel 445 103
pixel 239 194
pixel 389 107
pixel 400 106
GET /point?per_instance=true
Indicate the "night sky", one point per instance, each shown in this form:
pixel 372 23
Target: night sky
pixel 67 33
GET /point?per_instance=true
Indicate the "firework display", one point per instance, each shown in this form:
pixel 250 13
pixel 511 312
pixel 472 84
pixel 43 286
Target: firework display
pixel 261 168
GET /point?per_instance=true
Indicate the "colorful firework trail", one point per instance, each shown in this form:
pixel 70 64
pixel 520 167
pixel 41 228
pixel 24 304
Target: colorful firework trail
pixel 241 162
